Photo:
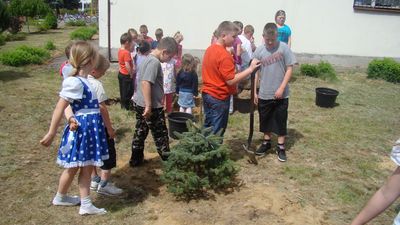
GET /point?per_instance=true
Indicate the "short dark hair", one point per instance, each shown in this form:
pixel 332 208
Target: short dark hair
pixel 143 47
pixel 169 44
pixel 125 37
pixel 270 29
pixel 159 33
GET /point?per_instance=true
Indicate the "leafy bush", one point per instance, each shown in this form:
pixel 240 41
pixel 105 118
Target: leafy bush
pixel 51 20
pixel 16 37
pixel 83 33
pixel 49 45
pixel 387 69
pixel 198 162
pixel 24 55
pixel 323 70
pixel 326 71
pixel 2 40
pixel 309 70
pixel 76 23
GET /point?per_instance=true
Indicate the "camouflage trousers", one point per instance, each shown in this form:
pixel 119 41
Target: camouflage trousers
pixel 156 124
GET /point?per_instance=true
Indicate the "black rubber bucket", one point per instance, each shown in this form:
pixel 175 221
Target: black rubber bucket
pixel 177 122
pixel 325 97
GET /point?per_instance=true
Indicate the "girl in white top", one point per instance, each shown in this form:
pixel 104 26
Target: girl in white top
pixel 83 144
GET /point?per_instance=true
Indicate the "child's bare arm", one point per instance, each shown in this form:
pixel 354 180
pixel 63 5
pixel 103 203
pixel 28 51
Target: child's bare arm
pixel 128 68
pixel 382 199
pixel 256 80
pixel 146 89
pixel 55 120
pixel 286 79
pixel 106 119
pixel 69 115
pixel 240 76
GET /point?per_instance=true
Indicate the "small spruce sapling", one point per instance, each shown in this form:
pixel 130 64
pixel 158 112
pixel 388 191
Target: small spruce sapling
pixel 198 162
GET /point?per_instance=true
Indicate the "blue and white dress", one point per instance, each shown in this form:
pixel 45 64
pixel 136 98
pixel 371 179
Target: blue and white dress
pixel 88 144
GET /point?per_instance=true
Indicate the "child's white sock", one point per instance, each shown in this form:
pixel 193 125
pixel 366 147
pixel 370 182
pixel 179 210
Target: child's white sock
pixel 65 200
pixel 88 208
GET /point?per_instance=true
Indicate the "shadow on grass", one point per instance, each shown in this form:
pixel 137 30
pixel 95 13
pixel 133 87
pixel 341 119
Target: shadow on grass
pixel 121 132
pixel 238 152
pixel 292 137
pixel 236 146
pixel 137 183
pixel 9 75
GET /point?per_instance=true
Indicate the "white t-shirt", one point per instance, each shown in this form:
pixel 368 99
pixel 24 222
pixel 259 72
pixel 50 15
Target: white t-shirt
pixel 98 89
pixel 72 88
pixel 247 54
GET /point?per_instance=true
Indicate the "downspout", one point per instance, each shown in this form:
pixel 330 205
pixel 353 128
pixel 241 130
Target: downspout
pixel 109 28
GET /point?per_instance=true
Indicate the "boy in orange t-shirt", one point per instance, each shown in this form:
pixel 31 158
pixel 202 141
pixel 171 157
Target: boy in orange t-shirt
pixel 125 72
pixel 220 78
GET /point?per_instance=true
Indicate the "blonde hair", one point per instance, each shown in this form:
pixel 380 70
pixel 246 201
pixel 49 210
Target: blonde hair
pixel 102 64
pixel 187 62
pixel 80 55
pixel 177 36
pixel 196 62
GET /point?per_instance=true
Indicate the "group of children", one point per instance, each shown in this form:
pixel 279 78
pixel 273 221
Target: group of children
pixel 226 64
pixel 88 138
pixel 135 47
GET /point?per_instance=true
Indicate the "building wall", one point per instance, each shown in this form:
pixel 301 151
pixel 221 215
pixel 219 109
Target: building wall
pixel 318 26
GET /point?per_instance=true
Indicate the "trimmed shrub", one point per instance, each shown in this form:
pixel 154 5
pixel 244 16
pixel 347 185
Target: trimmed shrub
pixel 323 70
pixel 49 45
pixel 16 37
pixel 76 23
pixel 83 33
pixel 326 71
pixel 309 70
pixel 51 20
pixel 387 69
pixel 24 55
pixel 2 40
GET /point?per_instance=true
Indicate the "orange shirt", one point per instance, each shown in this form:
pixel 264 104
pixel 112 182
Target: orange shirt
pixel 124 56
pixel 218 67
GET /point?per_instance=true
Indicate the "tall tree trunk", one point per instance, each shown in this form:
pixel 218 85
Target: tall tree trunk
pixel 27 23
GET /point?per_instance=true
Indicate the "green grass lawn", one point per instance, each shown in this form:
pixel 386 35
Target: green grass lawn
pixel 337 157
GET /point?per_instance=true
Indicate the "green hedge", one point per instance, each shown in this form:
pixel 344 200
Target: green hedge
pixel 2 40
pixel 49 45
pixel 20 36
pixel 387 69
pixel 24 55
pixel 83 33
pixel 77 23
pixel 323 70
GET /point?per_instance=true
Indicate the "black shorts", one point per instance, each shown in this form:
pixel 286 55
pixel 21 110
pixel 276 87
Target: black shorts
pixel 111 162
pixel 273 116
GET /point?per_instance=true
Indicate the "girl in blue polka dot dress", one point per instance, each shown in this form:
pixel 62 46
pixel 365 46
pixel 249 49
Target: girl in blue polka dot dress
pixel 83 143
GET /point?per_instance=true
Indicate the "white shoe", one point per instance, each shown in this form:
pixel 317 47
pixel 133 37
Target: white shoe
pixel 67 201
pixel 91 210
pixel 94 185
pixel 110 189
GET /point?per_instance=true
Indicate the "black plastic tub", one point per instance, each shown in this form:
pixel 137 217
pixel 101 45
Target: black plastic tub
pixel 325 97
pixel 177 122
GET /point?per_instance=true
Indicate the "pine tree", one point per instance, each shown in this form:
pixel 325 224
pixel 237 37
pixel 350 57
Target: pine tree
pixel 198 162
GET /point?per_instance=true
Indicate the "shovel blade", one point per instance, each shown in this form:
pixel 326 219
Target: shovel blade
pixel 250 154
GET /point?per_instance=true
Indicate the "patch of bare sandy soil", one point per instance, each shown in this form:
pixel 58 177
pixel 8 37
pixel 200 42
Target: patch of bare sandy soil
pixel 247 203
